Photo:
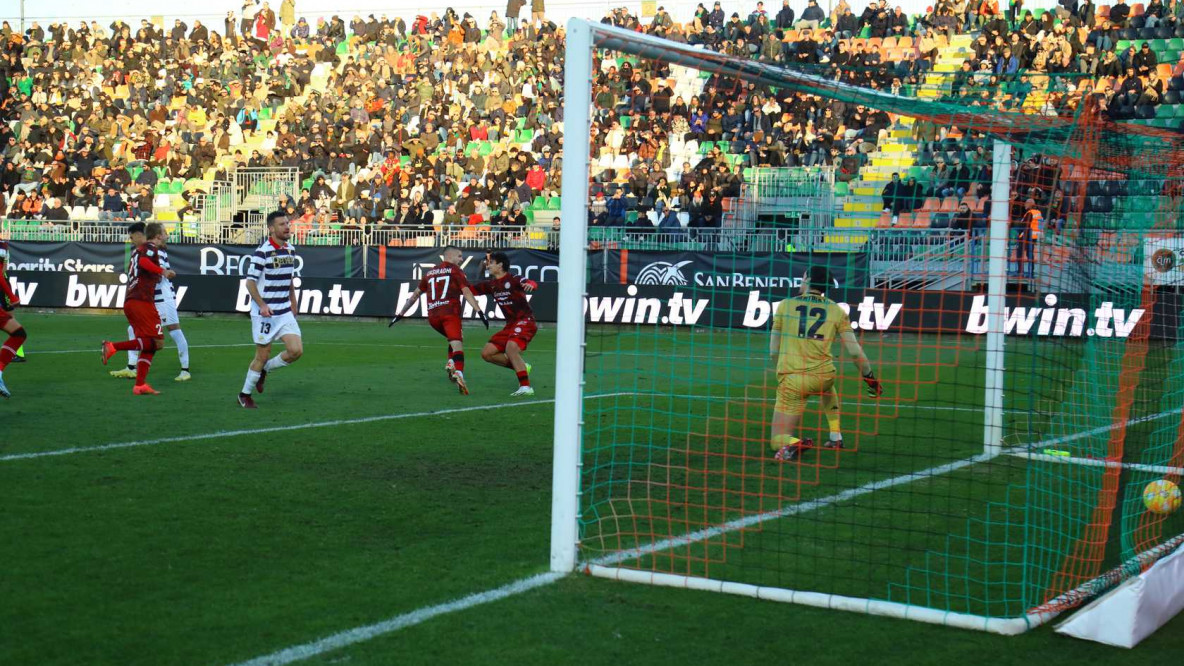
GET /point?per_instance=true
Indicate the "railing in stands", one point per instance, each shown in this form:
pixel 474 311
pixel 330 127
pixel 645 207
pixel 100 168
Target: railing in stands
pixel 260 189
pixel 886 245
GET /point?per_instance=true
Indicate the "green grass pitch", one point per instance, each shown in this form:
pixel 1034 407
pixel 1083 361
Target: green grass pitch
pixel 262 533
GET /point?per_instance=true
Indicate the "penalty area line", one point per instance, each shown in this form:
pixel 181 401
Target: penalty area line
pixel 288 428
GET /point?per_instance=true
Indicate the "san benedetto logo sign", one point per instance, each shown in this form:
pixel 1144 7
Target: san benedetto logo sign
pixel 663 273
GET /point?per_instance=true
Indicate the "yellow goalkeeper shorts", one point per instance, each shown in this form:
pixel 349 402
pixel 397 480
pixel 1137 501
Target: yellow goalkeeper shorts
pixel 793 390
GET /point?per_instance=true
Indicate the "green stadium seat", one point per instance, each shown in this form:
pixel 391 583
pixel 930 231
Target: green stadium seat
pixel 539 203
pixel 521 123
pixel 486 149
pixel 842 189
pixel 626 121
pixel 555 203
pixel 343 48
pixel 1158 45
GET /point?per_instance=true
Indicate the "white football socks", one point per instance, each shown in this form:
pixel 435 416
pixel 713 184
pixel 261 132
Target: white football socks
pixel 274 363
pixel 133 355
pixel 178 337
pixel 249 385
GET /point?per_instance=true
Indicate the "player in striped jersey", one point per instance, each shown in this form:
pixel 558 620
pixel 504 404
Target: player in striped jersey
pixel 8 323
pixel 166 307
pixel 273 306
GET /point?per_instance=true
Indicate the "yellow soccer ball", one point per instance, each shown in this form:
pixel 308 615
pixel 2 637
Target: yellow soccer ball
pixel 1161 496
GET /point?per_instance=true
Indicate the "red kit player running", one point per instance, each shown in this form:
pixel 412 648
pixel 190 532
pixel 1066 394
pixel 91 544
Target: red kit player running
pixel 139 306
pixel 444 285
pixel 506 346
pixel 8 323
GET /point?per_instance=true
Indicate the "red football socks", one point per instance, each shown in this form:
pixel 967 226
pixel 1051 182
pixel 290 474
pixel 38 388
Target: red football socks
pixel 143 366
pixel 458 361
pixel 8 351
pixel 523 378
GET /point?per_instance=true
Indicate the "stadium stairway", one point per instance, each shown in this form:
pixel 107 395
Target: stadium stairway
pixel 859 202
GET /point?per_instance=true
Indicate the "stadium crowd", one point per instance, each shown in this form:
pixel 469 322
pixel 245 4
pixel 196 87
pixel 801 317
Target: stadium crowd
pixel 447 121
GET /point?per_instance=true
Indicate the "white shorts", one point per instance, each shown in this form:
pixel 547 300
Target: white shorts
pixel 265 330
pixel 168 312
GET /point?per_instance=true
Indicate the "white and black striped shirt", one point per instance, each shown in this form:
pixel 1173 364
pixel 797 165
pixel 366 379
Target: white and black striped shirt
pixel 272 268
pixel 164 288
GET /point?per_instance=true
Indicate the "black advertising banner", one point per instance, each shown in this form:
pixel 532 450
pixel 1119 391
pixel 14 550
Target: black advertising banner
pixel 312 261
pixel 67 257
pixel 771 272
pixel 190 259
pixel 1046 316
pixel 347 297
pixel 408 263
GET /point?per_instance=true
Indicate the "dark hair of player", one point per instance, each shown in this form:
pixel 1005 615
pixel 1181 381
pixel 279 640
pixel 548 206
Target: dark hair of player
pixel 135 228
pixel 501 259
pixel 451 247
pixel 275 215
pixel 153 229
pixel 819 279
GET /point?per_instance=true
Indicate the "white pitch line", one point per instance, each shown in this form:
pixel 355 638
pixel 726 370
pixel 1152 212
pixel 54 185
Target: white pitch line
pixel 95 349
pixel 352 636
pixel 1097 462
pixel 288 428
pixel 365 633
pixel 791 510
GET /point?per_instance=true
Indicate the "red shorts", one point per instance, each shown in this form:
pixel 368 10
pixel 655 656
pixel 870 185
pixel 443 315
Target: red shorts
pixel 447 325
pixel 520 332
pixel 144 318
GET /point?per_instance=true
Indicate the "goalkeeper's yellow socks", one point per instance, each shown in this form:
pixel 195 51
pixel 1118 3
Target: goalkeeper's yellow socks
pixel 784 440
pixel 832 420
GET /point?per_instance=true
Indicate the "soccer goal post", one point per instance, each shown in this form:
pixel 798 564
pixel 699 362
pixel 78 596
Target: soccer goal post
pixel 1008 262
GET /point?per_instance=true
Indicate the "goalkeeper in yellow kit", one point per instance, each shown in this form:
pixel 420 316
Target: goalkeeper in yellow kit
pixel 804 331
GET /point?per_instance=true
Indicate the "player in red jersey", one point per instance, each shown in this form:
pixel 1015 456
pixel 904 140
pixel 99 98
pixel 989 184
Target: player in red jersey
pixel 509 292
pixel 8 323
pixel 445 285
pixel 139 306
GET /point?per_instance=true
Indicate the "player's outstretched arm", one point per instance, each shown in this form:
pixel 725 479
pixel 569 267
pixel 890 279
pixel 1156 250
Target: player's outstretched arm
pixel 406 306
pixel 468 294
pixel 855 350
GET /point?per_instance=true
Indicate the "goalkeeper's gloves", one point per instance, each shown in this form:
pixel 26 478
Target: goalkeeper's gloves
pixel 874 388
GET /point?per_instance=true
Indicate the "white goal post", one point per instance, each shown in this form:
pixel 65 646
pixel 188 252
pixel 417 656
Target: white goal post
pixel 582 37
